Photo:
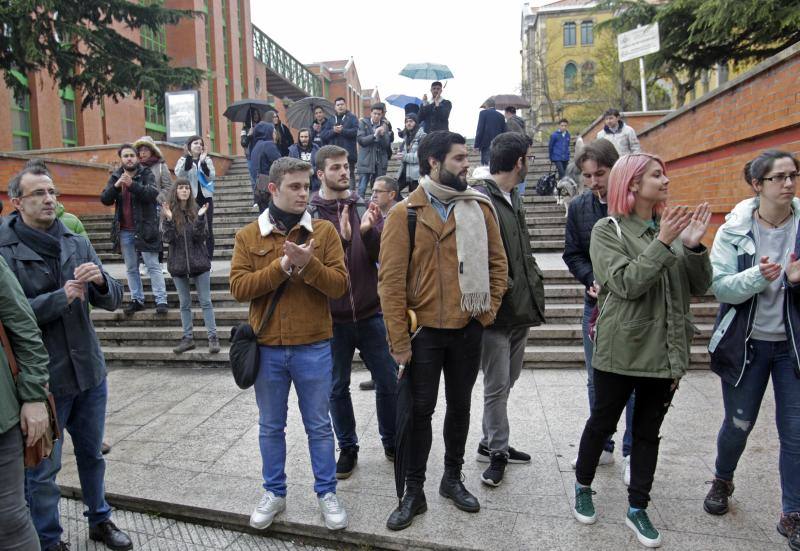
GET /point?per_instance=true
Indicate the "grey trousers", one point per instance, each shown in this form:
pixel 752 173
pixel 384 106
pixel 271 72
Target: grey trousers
pixel 16 528
pixel 502 353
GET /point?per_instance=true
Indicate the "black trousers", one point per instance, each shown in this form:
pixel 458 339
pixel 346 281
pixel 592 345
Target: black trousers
pixel 611 393
pixel 457 352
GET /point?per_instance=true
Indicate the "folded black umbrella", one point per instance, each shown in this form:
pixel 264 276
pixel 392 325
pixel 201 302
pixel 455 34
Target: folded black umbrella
pixel 404 425
pixel 239 111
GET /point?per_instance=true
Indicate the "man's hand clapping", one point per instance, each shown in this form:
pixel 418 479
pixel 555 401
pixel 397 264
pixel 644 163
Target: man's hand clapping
pixel 370 218
pixel 345 229
pixel 298 255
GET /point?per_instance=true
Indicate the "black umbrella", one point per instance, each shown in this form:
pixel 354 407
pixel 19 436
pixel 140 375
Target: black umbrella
pixel 404 421
pixel 240 111
pixel 300 114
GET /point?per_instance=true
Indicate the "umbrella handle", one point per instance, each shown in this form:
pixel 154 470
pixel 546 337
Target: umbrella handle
pixel 412 321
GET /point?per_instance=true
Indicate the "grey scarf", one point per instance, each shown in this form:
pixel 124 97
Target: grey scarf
pixel 472 243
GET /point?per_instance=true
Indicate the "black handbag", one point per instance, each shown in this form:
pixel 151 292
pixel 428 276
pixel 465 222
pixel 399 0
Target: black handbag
pixel 243 354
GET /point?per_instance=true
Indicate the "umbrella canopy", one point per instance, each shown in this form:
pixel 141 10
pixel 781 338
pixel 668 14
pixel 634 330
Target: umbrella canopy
pixel 239 111
pixel 401 100
pixel 300 114
pixel 426 71
pixel 502 101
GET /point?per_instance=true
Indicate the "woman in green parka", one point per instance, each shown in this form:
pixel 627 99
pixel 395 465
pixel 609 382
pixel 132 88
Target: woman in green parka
pixel 648 260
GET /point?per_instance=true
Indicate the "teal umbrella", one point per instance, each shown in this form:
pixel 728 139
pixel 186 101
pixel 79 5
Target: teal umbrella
pixel 426 71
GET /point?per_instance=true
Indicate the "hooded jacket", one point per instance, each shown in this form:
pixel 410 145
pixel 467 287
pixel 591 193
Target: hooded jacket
pixel 558 147
pixel 145 214
pixel 736 284
pixel 264 151
pixel 71 221
pixel 360 258
pixel 515 124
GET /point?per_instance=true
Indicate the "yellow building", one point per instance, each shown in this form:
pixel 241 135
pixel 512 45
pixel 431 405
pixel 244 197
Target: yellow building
pixel 561 60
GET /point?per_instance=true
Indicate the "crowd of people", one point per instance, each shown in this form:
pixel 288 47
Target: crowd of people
pixel 441 282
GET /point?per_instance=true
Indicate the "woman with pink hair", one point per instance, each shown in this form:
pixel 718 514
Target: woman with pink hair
pixel 648 261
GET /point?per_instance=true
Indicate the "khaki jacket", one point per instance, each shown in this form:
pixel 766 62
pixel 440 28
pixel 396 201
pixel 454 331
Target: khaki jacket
pixel 428 284
pixel 303 314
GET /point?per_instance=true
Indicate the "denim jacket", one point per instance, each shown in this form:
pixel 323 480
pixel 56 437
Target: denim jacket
pixel 736 284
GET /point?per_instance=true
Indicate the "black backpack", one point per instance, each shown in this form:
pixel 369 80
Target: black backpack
pixel 546 184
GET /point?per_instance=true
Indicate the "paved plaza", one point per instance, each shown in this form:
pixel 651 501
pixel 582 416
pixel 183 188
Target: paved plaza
pixel 186 443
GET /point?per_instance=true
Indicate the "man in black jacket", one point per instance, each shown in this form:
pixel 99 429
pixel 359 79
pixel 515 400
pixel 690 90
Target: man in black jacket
pixel 595 163
pixel 61 276
pixel 503 347
pixel 133 190
pixel 342 130
pixel 435 114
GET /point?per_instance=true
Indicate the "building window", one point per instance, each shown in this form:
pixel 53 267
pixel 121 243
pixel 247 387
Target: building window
pixel 569 34
pixel 587 74
pixel 21 122
pixel 587 33
pixel 155 120
pixel 570 77
pixel 69 127
pixel 722 72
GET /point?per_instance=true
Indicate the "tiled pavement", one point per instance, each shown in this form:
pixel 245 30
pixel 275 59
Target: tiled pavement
pixel 187 441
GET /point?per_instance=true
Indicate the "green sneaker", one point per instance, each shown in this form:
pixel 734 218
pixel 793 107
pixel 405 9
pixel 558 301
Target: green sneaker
pixel 584 508
pixel 640 523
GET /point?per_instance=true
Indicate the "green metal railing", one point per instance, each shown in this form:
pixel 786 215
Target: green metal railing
pixel 282 62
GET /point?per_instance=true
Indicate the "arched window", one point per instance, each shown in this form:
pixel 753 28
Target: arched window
pixel 587 74
pixel 570 77
pixel 587 33
pixel 569 33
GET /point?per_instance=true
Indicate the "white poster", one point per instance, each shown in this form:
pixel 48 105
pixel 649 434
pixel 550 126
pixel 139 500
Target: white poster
pixel 183 115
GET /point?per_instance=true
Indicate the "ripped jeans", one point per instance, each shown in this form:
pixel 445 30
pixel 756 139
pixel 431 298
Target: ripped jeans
pixel 741 411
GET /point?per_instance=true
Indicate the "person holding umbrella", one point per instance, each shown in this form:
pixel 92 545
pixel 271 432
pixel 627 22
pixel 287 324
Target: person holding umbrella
pixel 283 136
pixel 247 132
pixel 442 257
pixel 435 114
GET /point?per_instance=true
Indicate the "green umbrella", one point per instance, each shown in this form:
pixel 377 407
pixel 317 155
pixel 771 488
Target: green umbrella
pixel 426 71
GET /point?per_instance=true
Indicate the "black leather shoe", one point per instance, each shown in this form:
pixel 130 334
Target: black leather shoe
pixel 413 504
pixel 111 536
pixel 453 488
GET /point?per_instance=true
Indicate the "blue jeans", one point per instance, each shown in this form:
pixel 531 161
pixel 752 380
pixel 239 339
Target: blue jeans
pixel 588 350
pixel 561 168
pixel 369 336
pixel 127 243
pixel 83 415
pixel 308 366
pixel 202 283
pixel 363 181
pixel 741 411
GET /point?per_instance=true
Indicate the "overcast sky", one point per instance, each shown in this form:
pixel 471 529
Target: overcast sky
pixel 479 42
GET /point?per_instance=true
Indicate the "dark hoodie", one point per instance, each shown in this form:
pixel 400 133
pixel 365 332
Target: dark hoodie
pixel 361 259
pixel 264 152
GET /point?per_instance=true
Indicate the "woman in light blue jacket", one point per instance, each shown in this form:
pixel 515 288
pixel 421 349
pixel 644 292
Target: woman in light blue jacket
pixel 757 281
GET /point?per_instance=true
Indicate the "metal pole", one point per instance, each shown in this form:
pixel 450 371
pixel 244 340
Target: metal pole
pixel 644 86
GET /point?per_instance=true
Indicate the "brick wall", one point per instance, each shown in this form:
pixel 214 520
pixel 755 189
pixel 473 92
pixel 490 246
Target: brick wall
pixel 706 143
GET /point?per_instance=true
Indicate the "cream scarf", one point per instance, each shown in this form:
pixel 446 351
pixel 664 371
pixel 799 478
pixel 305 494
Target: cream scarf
pixel 472 243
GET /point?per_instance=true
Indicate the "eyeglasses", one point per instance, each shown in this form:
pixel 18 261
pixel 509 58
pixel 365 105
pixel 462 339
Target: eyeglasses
pixel 780 178
pixel 42 193
pixel 381 191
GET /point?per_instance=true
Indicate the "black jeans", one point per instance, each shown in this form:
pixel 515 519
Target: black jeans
pixel 457 352
pixel 16 527
pixel 611 393
pixel 210 222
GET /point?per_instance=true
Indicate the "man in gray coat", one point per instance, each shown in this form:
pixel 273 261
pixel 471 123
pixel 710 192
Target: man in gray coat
pixel 61 276
pixel 375 139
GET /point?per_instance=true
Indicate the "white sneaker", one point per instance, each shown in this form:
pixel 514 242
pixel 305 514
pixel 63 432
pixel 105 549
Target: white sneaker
pixel 606 458
pixel 332 512
pixel 266 510
pixel 626 470
pixel 143 270
pixel 255 207
pixel 164 269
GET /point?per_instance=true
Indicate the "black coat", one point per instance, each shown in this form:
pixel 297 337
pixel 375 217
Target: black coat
pixel 491 123
pixel 347 138
pixel 286 139
pixel 435 118
pixel 188 255
pixel 76 360
pixel 584 211
pixel 145 209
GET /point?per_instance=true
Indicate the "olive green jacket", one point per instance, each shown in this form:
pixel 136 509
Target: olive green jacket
pixel 644 328
pixel 26 340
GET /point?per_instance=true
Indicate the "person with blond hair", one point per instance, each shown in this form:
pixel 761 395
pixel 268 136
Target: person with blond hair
pixel 648 260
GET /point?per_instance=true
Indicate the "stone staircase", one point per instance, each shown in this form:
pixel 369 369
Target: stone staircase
pixel 146 339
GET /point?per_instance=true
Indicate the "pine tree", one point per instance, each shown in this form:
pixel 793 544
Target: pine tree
pixel 78 44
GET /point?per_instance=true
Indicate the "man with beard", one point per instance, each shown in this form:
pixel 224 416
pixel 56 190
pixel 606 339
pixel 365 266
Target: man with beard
pixel 435 114
pixel 409 170
pixel 132 189
pixel 284 246
pixel 316 128
pixel 375 141
pixel 453 276
pixel 61 276
pixel 342 130
pixel 357 319
pixel 306 150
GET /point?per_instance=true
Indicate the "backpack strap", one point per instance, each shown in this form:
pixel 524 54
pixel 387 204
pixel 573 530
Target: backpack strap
pixel 412 230
pixel 616 225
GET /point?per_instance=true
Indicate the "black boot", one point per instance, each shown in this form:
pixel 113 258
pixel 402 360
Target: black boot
pixel 453 488
pixel 413 504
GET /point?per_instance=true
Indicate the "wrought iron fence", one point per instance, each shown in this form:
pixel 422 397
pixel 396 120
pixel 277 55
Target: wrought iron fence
pixel 282 62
